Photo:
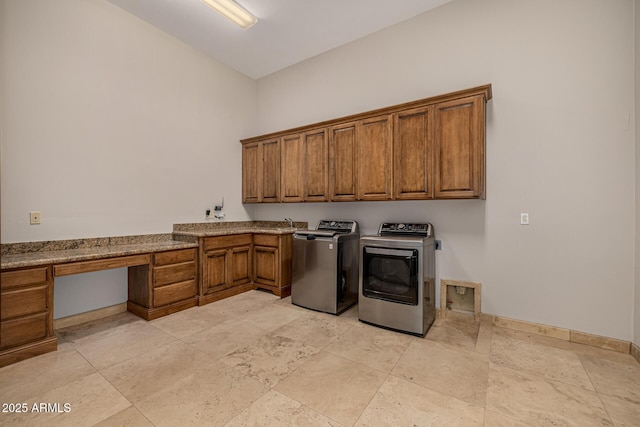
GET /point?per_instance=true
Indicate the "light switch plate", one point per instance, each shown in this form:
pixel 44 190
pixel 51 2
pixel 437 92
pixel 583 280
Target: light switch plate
pixel 524 219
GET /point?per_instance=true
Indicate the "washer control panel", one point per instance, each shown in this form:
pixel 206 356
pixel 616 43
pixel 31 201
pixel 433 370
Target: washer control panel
pixel 340 226
pixel 407 229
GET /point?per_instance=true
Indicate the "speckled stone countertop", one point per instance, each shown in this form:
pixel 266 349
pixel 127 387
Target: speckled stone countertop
pixel 223 228
pixel 29 254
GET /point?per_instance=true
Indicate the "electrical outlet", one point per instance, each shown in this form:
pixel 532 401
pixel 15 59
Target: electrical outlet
pixel 524 219
pixel 34 218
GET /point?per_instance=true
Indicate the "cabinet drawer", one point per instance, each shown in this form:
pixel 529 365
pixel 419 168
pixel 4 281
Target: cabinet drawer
pixel 23 330
pixel 174 293
pixel 13 279
pixel 23 302
pixel 266 240
pixel 174 257
pixel 226 241
pixel 174 273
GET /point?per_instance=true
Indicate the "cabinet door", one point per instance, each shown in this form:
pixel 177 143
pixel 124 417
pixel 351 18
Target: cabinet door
pixel 215 271
pixel 459 145
pixel 266 265
pixel 412 151
pixel 251 172
pixel 375 157
pixel 292 162
pixel 315 166
pixel 342 162
pixel 270 174
pixel 239 267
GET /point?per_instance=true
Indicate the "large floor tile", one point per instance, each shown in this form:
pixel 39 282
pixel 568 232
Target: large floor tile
pixel 369 345
pixel 225 338
pixel 242 304
pixel 334 386
pixel 122 343
pixel 155 370
pixel 314 329
pixel 558 364
pixel 191 321
pixel 617 379
pixel 402 403
pixel 538 401
pixel 32 377
pixel 456 333
pixel 275 409
pixel 211 397
pixel 273 316
pixel 99 328
pixel 130 417
pixel 270 359
pixel 623 412
pixel 452 372
pixel 90 400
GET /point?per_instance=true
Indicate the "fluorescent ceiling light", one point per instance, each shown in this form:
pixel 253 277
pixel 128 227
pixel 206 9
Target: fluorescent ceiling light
pixel 232 11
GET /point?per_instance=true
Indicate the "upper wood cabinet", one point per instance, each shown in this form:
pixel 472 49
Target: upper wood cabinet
pixel 304 167
pixel 413 154
pixel 292 168
pixel 459 148
pixel 261 171
pixel 433 148
pixel 375 156
pixel 316 167
pixel 342 162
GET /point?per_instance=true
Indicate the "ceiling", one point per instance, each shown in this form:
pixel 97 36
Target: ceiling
pixel 287 32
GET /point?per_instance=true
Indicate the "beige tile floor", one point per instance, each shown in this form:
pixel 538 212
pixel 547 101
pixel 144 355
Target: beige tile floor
pixel 256 360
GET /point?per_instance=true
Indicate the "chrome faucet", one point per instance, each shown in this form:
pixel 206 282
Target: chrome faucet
pixel 290 221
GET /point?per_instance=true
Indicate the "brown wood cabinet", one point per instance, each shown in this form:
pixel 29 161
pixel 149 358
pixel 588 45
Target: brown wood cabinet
pixel 425 149
pixel 304 166
pixel 292 164
pixel 261 171
pixel 413 154
pixel 342 162
pixel 26 314
pixel 227 266
pixel 459 148
pixel 272 255
pixel 316 165
pixel 374 142
pixel 167 285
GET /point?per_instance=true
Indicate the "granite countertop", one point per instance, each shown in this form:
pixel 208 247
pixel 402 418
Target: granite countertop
pixel 31 254
pixel 184 236
pixel 207 229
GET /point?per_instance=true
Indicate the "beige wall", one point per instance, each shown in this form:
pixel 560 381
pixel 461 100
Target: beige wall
pixel 111 127
pixel 560 146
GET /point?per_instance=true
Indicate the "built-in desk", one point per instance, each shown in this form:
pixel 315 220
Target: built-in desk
pixel 197 264
pixel 162 279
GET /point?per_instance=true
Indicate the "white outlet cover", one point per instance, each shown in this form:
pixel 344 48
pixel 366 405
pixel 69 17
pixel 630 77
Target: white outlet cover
pixel 524 219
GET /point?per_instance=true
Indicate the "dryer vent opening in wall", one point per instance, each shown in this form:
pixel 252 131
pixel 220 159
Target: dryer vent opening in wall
pixel 460 297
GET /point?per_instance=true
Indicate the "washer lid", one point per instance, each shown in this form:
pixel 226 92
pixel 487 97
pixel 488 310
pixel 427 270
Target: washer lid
pixel 316 233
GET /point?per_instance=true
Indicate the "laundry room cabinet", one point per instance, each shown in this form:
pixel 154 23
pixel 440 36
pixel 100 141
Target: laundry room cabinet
pixel 432 148
pixel 272 256
pixel 227 265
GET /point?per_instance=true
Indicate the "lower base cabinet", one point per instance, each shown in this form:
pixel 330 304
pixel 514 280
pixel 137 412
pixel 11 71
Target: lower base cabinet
pixel 26 314
pixel 167 285
pixel 226 266
pixel 237 263
pixel 272 254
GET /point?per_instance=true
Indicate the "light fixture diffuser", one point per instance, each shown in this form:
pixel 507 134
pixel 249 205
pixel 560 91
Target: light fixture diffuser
pixel 232 11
